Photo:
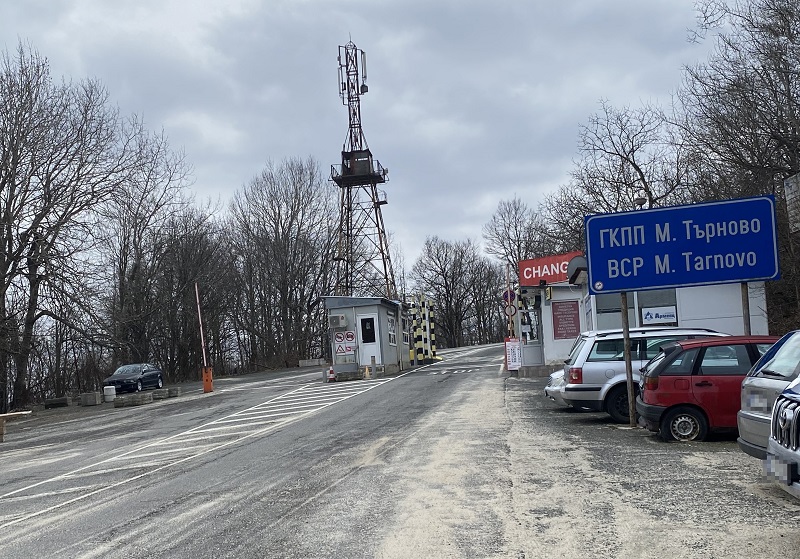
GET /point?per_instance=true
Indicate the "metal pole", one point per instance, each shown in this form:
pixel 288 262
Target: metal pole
pixel 509 325
pixel 626 341
pixel 200 318
pixel 745 308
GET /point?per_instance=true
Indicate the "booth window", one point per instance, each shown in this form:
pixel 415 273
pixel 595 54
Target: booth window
pixel 657 298
pixel 608 310
pixel 608 307
pixel 392 331
pixel 368 330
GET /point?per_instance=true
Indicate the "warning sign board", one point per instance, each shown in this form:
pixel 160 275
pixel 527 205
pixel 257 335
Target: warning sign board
pixel 345 342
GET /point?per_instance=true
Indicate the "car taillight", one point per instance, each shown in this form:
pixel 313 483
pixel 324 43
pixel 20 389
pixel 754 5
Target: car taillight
pixel 575 375
pixel 650 383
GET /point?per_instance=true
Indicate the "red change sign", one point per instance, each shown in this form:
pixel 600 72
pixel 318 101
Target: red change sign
pixel 551 269
pixel 566 320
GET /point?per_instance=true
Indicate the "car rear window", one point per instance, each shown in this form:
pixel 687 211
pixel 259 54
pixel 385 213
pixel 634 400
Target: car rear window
pixel 576 350
pixel 654 344
pixel 612 350
pixel 682 364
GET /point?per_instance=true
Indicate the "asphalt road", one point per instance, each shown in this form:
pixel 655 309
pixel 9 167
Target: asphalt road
pixel 454 459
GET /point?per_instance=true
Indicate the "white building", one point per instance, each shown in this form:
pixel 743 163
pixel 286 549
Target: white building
pixel 556 306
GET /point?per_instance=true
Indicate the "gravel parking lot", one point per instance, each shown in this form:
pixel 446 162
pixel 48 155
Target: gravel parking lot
pixel 593 488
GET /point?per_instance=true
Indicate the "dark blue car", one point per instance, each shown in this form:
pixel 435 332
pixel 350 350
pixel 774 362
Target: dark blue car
pixel 135 378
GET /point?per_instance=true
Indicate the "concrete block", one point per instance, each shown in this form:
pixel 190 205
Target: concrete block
pixel 61 402
pixel 91 398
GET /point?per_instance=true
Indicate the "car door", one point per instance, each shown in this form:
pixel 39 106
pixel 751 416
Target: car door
pixel 716 384
pixel 149 375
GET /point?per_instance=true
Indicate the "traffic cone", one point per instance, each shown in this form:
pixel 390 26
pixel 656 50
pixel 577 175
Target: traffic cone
pixel 331 375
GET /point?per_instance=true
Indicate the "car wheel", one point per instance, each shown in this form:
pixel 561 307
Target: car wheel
pixel 139 386
pixel 684 424
pixel 160 383
pixel 617 403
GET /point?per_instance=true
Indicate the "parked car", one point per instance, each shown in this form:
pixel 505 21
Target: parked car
pixel 761 387
pixel 135 378
pixel 693 387
pixel 782 460
pixel 555 388
pixel 595 373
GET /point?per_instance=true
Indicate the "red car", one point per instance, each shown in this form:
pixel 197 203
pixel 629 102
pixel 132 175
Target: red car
pixel 694 386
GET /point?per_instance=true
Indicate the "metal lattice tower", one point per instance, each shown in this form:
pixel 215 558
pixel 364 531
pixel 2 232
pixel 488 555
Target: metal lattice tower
pixel 363 265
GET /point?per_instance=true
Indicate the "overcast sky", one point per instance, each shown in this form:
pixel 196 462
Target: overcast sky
pixel 470 102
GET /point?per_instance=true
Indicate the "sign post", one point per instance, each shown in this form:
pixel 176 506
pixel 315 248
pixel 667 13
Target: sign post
pixel 729 241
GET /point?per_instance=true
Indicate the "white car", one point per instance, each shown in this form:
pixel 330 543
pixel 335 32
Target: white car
pixel 595 371
pixel 555 388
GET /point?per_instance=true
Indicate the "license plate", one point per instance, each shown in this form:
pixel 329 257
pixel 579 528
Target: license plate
pixel 779 470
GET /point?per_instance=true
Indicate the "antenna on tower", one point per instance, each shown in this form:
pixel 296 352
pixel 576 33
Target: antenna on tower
pixel 363 265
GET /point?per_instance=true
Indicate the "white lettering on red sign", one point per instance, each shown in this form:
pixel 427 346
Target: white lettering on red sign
pixel 551 269
pixel 537 272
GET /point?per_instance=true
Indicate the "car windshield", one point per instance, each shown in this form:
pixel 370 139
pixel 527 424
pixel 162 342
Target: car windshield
pixel 782 361
pixel 127 369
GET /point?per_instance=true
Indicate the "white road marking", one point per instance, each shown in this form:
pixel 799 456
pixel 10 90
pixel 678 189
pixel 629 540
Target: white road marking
pixel 228 430
pixel 233 428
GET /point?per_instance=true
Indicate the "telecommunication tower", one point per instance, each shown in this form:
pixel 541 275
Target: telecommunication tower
pixel 363 265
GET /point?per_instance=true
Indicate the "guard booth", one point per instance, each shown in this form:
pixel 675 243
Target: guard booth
pixel 367 332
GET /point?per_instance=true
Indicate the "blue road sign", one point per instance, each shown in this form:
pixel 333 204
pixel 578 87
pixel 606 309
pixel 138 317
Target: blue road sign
pixel 681 246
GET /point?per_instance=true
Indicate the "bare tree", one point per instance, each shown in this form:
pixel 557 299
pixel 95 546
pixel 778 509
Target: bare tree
pixel 136 230
pixel 196 253
pixel 62 151
pixel 623 153
pixel 442 272
pixel 742 112
pixel 516 232
pixel 486 280
pixel 285 234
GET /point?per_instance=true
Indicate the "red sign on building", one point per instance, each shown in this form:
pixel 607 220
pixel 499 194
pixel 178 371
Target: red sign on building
pixel 551 269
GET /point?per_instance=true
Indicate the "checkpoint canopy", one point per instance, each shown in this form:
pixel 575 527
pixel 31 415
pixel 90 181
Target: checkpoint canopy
pixel 729 241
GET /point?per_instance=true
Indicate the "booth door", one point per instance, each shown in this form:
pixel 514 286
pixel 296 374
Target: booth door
pixel 533 350
pixel 369 340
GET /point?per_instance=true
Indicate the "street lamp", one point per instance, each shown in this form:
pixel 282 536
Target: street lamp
pixel 640 199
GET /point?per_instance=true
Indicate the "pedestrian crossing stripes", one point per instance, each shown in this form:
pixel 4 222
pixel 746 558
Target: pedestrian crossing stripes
pixel 453 371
